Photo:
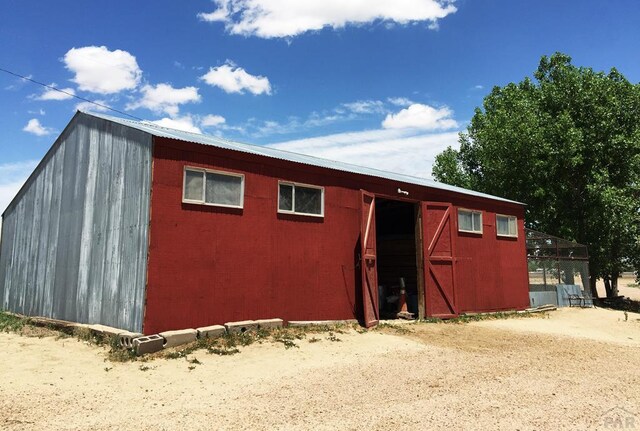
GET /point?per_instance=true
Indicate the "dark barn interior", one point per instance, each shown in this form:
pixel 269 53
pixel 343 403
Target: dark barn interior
pixel 396 254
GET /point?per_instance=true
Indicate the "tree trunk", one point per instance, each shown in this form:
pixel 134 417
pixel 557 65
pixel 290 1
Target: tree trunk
pixel 614 284
pixel 607 285
pixel 592 286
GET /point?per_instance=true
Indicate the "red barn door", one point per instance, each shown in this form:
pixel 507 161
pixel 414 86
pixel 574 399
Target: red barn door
pixel 439 256
pixel 368 260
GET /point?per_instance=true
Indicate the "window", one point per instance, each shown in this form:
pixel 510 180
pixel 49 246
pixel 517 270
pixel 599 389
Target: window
pixel 507 225
pixel 300 199
pixel 202 186
pixel 469 221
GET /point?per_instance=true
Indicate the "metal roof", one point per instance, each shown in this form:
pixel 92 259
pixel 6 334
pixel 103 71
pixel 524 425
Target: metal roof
pixel 260 150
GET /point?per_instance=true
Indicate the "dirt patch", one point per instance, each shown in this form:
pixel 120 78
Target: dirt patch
pixel 627 286
pixel 482 375
pixel 609 326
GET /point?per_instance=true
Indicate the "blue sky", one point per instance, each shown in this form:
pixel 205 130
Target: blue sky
pixel 373 82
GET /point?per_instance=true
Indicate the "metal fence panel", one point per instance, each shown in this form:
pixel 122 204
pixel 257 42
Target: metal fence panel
pixel 557 267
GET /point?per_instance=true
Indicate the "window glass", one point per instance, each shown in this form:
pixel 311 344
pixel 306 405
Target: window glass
pixel 299 199
pixel 308 200
pixel 465 220
pixel 285 202
pixel 223 189
pixel 215 188
pixel 477 222
pixel 470 221
pixel 193 184
pixel 503 225
pixel 507 225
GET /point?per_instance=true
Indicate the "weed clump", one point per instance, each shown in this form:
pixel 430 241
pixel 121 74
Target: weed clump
pixel 228 344
pixel 11 323
pixel 332 337
pixel 223 351
pixel 117 353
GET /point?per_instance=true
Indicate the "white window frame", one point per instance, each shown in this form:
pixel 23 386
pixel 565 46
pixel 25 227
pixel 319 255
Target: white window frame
pixel 293 198
pixel 466 210
pixel 509 217
pixel 204 186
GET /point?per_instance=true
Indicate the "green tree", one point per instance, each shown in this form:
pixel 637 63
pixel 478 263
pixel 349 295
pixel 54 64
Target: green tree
pixel 567 143
pixel 448 169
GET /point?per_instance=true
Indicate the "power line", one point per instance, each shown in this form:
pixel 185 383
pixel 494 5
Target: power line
pixel 51 87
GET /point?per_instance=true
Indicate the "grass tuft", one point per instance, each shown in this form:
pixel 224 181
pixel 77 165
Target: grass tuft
pixel 332 337
pixel 11 323
pixel 400 329
pixel 223 351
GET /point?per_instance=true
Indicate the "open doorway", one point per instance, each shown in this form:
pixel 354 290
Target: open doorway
pixel 397 265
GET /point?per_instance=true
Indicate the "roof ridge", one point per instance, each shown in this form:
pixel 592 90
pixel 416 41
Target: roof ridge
pixel 266 151
pixel 229 141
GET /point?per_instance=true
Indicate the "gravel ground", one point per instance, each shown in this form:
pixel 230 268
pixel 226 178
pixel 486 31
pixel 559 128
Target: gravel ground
pixel 527 374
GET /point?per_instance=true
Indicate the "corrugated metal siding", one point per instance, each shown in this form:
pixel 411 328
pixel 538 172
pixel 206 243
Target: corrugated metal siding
pixel 74 241
pixel 543 298
pixel 274 153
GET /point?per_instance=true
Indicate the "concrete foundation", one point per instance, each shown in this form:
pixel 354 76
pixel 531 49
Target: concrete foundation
pixel 106 330
pixel 125 339
pixel 240 327
pixel 270 323
pixel 215 331
pixel 176 338
pixel 321 322
pixel 148 344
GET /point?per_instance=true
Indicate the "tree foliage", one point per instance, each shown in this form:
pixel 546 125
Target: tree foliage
pixel 567 143
pixel 448 169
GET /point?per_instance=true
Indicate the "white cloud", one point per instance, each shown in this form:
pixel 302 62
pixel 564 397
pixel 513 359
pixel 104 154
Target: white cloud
pixel 407 151
pixel 34 127
pixel 92 107
pixel 365 106
pixel 287 18
pixel 479 87
pixel 221 14
pixel 51 94
pixel 234 79
pixel 12 177
pixel 212 121
pixel 400 101
pixel 185 123
pixel 419 116
pixel 19 83
pixel 317 120
pixel 294 124
pixel 275 128
pixel 99 70
pixel 341 113
pixel 165 98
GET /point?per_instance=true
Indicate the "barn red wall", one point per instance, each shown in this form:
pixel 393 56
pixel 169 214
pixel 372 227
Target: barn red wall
pixel 210 265
pixel 491 271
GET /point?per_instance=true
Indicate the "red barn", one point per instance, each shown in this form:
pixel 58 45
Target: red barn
pixel 146 228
